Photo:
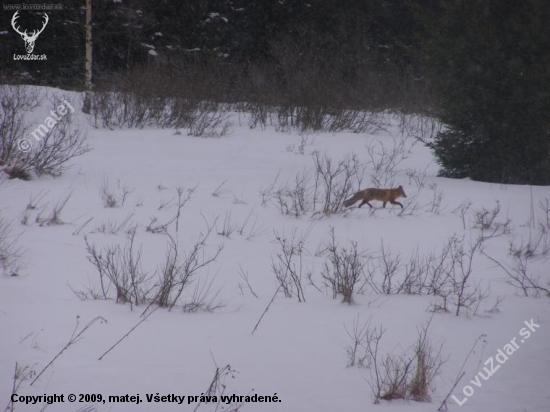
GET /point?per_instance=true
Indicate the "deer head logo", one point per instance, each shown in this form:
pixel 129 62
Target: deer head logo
pixel 29 39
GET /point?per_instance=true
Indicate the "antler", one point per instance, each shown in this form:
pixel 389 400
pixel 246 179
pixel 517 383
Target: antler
pixel 15 16
pixel 35 33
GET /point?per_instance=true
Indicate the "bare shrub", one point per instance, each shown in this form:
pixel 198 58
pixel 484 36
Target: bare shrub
pixel 407 375
pixel 121 268
pixel 204 298
pixel 462 211
pixel 317 118
pixel 25 217
pixel 127 104
pixel 446 274
pixel 228 227
pixel 428 366
pixel 165 204
pixel 495 308
pixel 110 109
pixel 288 267
pixel 544 206
pixel 179 269
pixel 61 144
pixel 259 113
pixel 33 205
pixel 178 114
pixel 538 244
pixel 344 268
pixel 436 199
pixel 356 121
pixel 11 253
pixel 295 199
pixel 209 120
pixel 388 265
pixel 486 221
pixel 55 147
pixel 21 374
pixel 396 370
pixel 417 177
pixel 244 276
pixel 416 275
pixel 255 229
pixel 239 200
pixel 521 276
pixel 385 161
pixel 76 337
pixel 217 389
pixel 54 218
pixel 109 199
pixel 171 276
pixel 267 193
pixel 183 198
pixel 321 191
pixel 301 148
pixel 440 267
pixel 291 116
pixel 266 309
pixel 114 228
pixel 335 182
pixel 361 336
pixel 112 197
pixel 422 128
pixel 79 229
pixel 388 275
pixel 135 105
pixel 466 296
pixel 15 103
pixel 155 227
pixel 220 191
pixel 91 291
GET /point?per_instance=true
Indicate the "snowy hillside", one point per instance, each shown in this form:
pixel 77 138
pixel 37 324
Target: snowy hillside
pixel 220 214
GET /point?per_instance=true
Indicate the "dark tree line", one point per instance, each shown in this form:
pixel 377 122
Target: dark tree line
pixel 490 63
pixel 344 38
pixel 482 66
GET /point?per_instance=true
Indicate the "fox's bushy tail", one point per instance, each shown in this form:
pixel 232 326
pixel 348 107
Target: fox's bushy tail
pixel 355 198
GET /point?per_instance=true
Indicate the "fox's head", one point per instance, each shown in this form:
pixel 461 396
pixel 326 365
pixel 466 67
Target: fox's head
pixel 401 191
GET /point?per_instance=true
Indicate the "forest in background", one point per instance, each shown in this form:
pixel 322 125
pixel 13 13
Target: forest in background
pixel 480 67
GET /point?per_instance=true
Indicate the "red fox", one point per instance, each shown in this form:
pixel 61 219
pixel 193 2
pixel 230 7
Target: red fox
pixel 384 195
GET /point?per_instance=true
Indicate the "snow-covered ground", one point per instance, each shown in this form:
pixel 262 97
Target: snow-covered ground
pixel 298 351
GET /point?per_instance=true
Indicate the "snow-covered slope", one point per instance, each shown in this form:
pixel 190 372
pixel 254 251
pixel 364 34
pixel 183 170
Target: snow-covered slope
pixel 298 351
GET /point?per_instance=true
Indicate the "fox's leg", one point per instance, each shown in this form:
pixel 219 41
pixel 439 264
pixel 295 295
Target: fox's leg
pixel 384 204
pixel 393 202
pixel 365 201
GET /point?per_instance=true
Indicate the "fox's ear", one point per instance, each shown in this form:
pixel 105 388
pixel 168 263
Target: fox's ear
pixel 400 187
